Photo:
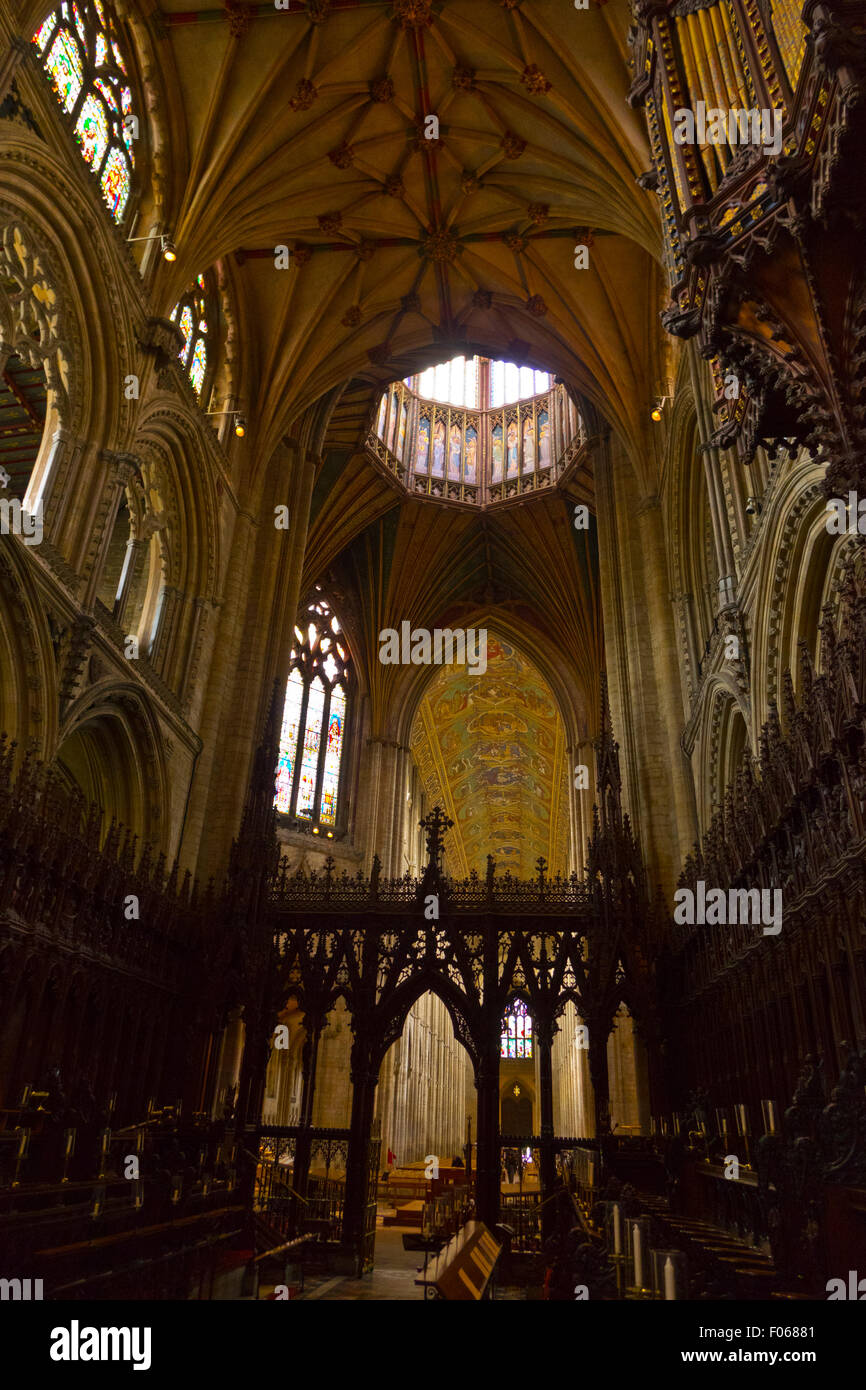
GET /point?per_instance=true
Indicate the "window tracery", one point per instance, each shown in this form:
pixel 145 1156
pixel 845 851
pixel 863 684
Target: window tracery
pixel 516 1040
pixel 313 736
pixel 81 52
pixel 193 316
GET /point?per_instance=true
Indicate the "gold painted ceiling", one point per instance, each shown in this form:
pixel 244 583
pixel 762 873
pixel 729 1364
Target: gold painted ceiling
pixel 491 749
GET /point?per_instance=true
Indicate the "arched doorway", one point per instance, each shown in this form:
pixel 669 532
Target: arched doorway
pixel 425 1115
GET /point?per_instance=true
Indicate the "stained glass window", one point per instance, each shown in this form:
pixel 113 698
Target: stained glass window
pixel 516 1042
pixel 191 314
pixel 80 51
pixel 92 129
pixel 313 736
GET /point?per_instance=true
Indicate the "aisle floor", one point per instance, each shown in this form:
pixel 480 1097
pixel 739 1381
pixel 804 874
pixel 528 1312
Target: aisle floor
pixel 392 1278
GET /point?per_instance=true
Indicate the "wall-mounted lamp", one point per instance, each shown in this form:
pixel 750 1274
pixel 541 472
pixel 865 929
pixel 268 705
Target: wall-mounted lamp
pixel 166 245
pixel 240 425
pixel 656 412
pixel 753 506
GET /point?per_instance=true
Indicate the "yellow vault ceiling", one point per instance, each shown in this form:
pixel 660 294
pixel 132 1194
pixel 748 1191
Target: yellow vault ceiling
pixel 490 749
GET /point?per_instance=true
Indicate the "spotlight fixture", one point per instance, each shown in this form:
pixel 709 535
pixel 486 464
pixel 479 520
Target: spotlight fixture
pixel 315 830
pixel 753 506
pixel 656 412
pixel 330 834
pixel 240 420
pixel 166 245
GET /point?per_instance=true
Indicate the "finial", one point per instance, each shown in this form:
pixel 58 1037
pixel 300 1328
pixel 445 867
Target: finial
pixel 435 826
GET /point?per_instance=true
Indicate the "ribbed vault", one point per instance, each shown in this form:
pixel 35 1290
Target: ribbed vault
pixel 306 127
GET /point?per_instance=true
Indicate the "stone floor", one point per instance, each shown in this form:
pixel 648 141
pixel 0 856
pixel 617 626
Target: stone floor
pixel 391 1280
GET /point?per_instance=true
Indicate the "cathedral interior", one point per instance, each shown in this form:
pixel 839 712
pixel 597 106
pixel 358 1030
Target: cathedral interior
pixel 432 650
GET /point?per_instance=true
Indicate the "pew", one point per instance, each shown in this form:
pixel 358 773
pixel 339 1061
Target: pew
pixel 462 1271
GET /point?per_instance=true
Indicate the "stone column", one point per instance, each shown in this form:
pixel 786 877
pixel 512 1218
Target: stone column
pixel 121 469
pixel 251 649
pixel 715 490
pixel 668 686
pixel 162 648
pixel 231 1052
pixel 136 555
pixel 13 50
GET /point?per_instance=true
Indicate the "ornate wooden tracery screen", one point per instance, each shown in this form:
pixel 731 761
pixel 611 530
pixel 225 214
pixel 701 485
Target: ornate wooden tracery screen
pixel 548 940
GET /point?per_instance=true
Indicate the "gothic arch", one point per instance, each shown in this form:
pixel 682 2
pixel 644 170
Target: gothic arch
pixel 723 739
pixel 175 467
pixel 795 558
pixel 110 746
pixel 28 677
pixel 162 139
pixel 392 1014
pixel 517 632
pixel 67 256
pixel 693 563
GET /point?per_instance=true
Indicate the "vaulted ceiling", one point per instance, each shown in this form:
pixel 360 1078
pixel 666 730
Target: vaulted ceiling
pixel 306 127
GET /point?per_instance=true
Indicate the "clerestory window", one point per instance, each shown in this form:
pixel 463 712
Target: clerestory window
pixel 476 430
pixel 516 1040
pixel 313 738
pixel 193 315
pixel 81 51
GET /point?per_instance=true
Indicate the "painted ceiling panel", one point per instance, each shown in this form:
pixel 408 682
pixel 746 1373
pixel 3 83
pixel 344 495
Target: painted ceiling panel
pixel 491 749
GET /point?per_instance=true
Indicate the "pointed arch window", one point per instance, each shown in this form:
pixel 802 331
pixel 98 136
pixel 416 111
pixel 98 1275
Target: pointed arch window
pixel 81 51
pixel 193 314
pixel 516 1039
pixel 313 737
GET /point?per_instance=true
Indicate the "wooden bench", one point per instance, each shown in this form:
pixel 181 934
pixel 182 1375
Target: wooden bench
pixel 463 1270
